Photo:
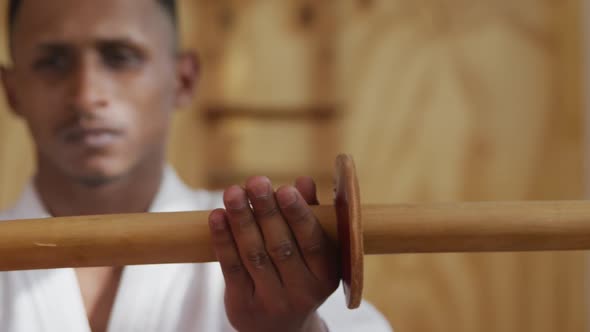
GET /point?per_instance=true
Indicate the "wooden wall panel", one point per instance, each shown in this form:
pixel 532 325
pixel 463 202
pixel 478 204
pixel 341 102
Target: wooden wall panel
pixel 243 140
pixel 482 92
pixel 460 100
pixel 265 52
pixel 267 93
pixel 16 158
pixel 188 140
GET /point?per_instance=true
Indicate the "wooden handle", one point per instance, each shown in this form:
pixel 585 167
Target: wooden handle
pixel 184 236
pixel 118 240
pixel 113 240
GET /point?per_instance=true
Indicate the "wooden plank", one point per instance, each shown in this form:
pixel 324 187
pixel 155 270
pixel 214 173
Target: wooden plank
pixel 481 103
pixel 16 157
pixel 266 53
pixel 249 146
pixel 312 113
pixel 268 66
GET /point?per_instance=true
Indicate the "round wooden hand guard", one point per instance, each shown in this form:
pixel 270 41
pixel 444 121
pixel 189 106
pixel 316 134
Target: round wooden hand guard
pixel 350 232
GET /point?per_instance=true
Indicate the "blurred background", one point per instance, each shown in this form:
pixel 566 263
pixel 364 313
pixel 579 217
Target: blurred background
pixel 438 100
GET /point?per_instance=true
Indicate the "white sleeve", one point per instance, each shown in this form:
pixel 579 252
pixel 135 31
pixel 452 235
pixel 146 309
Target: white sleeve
pixel 339 318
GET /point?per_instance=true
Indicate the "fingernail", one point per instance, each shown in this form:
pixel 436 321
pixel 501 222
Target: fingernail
pixel 261 190
pixel 235 198
pixel 217 222
pixel 287 197
pixel 236 204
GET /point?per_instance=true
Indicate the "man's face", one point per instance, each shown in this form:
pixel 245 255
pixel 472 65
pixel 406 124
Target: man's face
pixel 96 82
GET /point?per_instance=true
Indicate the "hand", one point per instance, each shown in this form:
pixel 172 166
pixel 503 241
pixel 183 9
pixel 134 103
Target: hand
pixel 279 266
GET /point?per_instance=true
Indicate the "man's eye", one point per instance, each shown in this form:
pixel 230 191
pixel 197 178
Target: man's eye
pixel 121 58
pixel 52 63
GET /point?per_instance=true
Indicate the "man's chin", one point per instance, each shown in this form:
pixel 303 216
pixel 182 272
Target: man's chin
pixel 97 176
pixel 95 181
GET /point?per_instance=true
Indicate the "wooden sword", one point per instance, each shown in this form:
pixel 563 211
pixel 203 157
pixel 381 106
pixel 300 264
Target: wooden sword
pixel 183 237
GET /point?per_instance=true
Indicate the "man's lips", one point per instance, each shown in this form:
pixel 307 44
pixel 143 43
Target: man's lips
pixel 93 137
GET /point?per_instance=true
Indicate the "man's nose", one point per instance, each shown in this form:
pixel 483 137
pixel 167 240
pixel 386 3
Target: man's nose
pixel 89 86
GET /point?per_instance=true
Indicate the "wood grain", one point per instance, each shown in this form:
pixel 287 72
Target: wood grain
pixel 16 161
pixel 180 237
pixel 266 53
pixel 458 100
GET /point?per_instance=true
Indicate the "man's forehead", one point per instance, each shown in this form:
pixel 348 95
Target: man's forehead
pixel 79 20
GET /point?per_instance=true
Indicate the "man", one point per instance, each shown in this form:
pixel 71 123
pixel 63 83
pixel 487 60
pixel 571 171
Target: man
pixel 97 82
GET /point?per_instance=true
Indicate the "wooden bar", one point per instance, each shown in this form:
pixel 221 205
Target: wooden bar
pixel 477 227
pixel 184 236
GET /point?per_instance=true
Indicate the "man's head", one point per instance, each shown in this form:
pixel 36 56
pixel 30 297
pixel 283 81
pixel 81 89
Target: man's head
pixel 14 6
pixel 96 82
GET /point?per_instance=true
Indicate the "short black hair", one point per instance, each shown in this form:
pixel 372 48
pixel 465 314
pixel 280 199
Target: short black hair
pixel 14 6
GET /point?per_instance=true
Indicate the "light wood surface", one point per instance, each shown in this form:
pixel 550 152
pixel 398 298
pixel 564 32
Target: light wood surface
pixel 476 227
pixel 455 101
pixel 181 237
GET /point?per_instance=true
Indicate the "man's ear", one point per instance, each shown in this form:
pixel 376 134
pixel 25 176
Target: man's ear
pixel 187 75
pixel 9 86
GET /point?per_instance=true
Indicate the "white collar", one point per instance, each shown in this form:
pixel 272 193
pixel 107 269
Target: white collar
pixel 173 195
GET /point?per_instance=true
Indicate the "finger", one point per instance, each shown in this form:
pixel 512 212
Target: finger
pixel 318 252
pixel 249 242
pixel 279 241
pixel 307 188
pixel 237 279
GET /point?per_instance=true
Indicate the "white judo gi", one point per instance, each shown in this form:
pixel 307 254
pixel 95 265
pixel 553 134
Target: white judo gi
pixel 167 297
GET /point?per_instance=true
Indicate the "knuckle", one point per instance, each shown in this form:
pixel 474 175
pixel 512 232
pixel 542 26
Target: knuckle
pixel 313 249
pixel 245 222
pixel 282 251
pixel 222 239
pixel 233 268
pixel 279 308
pixel 288 199
pixel 302 216
pixel 267 212
pixel 258 259
pixel 236 209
